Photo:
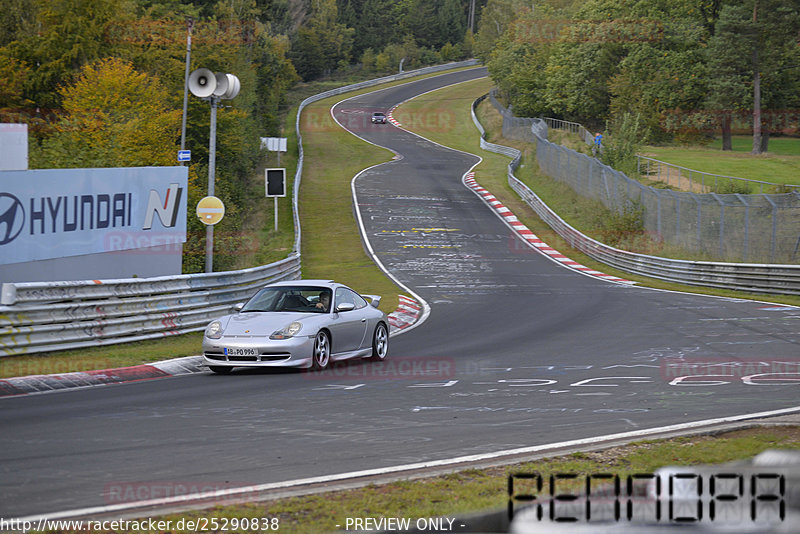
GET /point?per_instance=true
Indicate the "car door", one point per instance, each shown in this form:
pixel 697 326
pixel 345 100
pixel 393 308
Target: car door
pixel 348 328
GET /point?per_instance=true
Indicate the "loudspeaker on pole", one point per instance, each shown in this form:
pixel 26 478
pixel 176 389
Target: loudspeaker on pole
pixel 202 83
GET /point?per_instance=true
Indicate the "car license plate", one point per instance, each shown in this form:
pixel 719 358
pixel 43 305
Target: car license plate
pixel 241 352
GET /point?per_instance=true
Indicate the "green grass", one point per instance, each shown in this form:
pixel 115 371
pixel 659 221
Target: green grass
pixel 773 168
pixel 779 146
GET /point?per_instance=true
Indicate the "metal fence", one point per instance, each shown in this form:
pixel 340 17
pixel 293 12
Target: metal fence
pixel 47 316
pixel 572 127
pixel 763 278
pixel 763 228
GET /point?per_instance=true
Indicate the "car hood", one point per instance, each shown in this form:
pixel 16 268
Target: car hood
pixel 263 323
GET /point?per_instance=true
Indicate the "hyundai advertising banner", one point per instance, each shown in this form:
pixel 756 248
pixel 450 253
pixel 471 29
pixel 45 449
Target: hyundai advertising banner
pixel 55 213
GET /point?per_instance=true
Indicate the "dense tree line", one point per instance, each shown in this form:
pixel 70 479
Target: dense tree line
pixel 100 82
pixel 684 68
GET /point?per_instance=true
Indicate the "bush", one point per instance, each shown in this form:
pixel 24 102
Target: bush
pixel 625 139
pixel 732 187
pixel 618 226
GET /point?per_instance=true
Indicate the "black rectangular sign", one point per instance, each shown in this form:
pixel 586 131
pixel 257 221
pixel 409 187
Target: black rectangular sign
pixel 275 182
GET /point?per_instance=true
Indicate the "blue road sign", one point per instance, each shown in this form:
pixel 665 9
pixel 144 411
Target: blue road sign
pixel 184 155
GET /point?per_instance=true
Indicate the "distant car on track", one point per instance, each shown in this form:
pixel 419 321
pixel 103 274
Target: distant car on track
pixel 378 118
pixel 297 323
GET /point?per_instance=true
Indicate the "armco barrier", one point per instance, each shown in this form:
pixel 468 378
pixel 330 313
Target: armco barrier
pixel 46 316
pixel 49 316
pixel 761 278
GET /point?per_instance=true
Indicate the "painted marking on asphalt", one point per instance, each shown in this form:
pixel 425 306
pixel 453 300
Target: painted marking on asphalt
pixel 338 386
pixel 529 237
pixel 436 385
pixel 431 246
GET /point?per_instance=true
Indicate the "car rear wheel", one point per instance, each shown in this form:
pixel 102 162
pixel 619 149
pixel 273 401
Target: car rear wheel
pixel 380 342
pixel 322 351
pixel 220 370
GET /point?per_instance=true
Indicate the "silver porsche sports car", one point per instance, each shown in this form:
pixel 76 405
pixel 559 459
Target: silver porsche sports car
pixel 298 323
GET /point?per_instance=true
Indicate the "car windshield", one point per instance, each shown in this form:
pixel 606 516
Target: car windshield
pixel 290 298
pixel 377 115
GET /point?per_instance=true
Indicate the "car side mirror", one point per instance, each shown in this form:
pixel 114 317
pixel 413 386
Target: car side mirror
pixel 237 307
pixel 345 307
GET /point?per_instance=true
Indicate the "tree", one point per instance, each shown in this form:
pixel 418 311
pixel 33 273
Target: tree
pixel 18 19
pixel 13 75
pixel 69 33
pixel 418 19
pixel 728 68
pixel 323 43
pixel 452 22
pixel 766 26
pixel 495 19
pixel 374 22
pixel 517 66
pixel 113 117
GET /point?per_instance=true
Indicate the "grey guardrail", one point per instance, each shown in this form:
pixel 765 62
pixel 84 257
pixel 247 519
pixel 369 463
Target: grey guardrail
pixel 49 316
pixel 760 278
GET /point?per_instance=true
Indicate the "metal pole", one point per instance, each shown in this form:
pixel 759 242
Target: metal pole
pixel 212 163
pixel 746 225
pixel 721 225
pixel 190 22
pixel 276 213
pixel 774 228
pixel 658 211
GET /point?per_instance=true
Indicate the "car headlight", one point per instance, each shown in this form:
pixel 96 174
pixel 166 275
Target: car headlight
pixel 214 330
pixel 287 332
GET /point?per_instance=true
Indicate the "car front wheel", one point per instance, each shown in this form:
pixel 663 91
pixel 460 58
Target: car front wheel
pixel 380 342
pixel 322 351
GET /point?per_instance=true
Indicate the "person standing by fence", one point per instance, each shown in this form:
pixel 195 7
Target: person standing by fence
pixel 598 143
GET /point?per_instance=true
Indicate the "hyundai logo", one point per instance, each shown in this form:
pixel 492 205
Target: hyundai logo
pixel 12 218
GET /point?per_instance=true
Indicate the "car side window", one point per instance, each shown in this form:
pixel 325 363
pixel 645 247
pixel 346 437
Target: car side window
pixel 344 295
pixel 358 301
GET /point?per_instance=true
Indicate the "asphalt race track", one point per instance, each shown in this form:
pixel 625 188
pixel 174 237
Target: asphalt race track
pixel 517 351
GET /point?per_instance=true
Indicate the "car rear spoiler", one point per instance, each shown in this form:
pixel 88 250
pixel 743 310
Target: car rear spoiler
pixel 374 300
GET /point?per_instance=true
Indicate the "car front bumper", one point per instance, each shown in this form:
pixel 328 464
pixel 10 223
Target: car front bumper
pixel 293 352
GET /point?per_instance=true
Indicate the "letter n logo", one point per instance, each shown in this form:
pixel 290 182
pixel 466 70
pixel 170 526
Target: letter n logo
pixel 167 211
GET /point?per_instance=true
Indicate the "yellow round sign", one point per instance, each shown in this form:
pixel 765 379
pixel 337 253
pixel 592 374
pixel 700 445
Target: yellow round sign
pixel 210 210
